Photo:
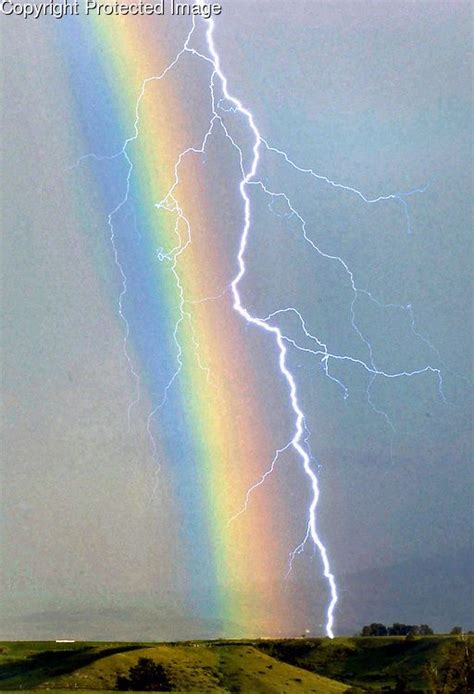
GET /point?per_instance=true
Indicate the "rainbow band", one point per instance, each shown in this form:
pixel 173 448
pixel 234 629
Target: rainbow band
pixel 213 430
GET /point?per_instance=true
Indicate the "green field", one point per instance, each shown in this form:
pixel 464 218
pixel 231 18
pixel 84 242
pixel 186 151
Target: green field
pixel 285 666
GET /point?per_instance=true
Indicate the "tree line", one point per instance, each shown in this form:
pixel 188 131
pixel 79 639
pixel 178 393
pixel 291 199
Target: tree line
pixel 397 629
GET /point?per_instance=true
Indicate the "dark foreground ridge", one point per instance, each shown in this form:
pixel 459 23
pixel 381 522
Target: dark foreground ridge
pixel 421 664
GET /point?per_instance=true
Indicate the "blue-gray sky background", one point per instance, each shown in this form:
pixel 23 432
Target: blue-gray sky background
pixel 377 96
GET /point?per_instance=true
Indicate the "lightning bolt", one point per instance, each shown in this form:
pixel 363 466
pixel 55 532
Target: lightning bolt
pixel 268 324
pixel 273 330
pixel 170 204
pixel 248 179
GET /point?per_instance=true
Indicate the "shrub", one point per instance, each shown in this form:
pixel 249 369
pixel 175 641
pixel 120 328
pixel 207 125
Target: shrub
pixel 145 676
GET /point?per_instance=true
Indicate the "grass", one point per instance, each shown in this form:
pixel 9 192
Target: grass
pixel 317 666
pixel 198 667
pixel 371 662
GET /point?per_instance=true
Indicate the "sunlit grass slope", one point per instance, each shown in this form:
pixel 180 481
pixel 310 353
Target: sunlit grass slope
pixel 198 667
pixel 318 666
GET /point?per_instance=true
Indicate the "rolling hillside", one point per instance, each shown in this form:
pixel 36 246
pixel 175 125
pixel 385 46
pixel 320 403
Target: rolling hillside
pixel 198 667
pixel 285 666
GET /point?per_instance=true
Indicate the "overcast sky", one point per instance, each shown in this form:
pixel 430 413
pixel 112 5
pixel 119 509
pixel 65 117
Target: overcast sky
pixel 376 96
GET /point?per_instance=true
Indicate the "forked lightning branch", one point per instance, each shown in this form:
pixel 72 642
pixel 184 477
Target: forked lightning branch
pixel 280 341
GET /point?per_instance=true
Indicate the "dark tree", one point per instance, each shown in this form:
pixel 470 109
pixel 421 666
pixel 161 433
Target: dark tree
pixel 397 629
pixel 374 629
pixel 402 629
pixel 425 630
pixel 145 676
pixel 456 631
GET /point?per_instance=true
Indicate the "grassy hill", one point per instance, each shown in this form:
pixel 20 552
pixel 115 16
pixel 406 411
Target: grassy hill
pixel 318 666
pixel 198 667
pixel 371 663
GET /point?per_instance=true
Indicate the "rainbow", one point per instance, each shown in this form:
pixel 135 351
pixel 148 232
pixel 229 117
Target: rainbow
pixel 212 431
